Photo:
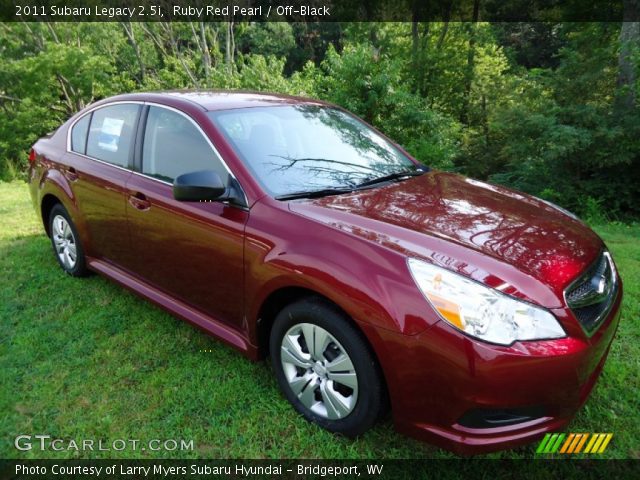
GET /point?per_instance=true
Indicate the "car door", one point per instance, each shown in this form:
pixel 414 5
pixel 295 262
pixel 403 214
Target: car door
pixel 99 159
pixel 193 251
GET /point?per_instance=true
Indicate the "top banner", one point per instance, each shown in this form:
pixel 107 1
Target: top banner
pixel 320 10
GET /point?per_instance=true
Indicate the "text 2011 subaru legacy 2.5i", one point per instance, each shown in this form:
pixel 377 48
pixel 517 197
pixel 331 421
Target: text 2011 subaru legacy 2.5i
pixel 287 227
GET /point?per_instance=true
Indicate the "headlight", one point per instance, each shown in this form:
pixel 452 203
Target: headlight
pixel 481 311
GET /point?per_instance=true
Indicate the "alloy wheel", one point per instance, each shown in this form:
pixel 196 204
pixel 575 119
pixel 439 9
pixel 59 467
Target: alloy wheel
pixel 64 242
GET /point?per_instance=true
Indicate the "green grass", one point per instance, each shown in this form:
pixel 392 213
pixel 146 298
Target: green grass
pixel 84 358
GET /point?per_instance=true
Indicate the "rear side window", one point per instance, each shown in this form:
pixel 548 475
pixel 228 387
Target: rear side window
pixel 79 135
pixel 111 133
pixel 173 145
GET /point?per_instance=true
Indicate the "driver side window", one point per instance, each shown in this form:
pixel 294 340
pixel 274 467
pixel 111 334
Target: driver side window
pixel 173 145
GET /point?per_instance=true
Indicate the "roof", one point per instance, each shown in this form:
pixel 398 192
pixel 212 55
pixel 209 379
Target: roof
pixel 225 100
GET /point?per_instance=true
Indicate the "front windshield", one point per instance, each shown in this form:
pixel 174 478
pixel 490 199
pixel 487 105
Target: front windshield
pixel 306 148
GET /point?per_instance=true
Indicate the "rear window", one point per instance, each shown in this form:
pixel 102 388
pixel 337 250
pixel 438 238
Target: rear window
pixel 111 133
pixel 79 135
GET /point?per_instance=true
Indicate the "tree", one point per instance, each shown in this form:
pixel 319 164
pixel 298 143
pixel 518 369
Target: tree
pixel 629 47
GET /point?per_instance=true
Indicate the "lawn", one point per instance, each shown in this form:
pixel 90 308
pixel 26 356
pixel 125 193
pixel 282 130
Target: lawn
pixel 84 358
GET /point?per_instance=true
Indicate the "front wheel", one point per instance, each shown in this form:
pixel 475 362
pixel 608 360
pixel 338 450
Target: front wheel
pixel 325 369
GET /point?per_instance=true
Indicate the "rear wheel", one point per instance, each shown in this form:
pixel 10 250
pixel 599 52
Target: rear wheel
pixel 325 369
pixel 65 242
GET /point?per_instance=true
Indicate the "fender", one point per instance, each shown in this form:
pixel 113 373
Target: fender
pixel 53 182
pixel 386 300
pixel 358 309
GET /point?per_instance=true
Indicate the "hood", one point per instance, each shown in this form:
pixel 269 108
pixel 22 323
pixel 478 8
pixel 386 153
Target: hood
pixel 502 238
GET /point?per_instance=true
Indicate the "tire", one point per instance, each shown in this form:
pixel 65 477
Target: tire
pixel 66 242
pixel 337 385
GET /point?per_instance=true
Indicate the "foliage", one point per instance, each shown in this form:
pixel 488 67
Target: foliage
pixel 378 94
pixel 541 107
pixel 564 140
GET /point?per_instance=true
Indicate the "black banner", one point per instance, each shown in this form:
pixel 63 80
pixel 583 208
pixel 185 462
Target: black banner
pixel 320 10
pixel 294 469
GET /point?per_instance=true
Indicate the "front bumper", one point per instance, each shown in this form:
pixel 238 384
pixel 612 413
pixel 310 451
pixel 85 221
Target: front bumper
pixel 445 374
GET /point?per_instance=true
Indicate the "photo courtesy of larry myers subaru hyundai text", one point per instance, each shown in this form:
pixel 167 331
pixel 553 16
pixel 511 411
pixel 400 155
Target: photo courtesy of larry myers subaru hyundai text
pixel 478 316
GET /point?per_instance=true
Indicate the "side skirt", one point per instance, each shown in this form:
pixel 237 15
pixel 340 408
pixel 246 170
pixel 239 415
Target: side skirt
pixel 177 308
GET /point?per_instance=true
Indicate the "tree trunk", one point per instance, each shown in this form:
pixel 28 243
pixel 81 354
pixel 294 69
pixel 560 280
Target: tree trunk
pixel 485 120
pixel 53 32
pixel 415 17
pixel 168 28
pixel 206 55
pixel 629 42
pixel 414 43
pixel 128 29
pixel 468 75
pixel 38 37
pixel 445 27
pixel 423 61
pixel 71 99
pixel 200 39
pixel 230 46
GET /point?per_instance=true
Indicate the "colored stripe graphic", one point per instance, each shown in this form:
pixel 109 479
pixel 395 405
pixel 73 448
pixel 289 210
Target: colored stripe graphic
pixel 554 443
pixel 580 445
pixel 596 447
pixel 552 440
pixel 543 443
pixel 567 443
pixel 599 443
pixel 574 443
pixel 590 444
pixel 606 442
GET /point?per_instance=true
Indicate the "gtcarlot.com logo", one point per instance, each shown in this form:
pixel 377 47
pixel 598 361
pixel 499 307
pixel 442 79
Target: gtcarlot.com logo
pixel 574 443
pixel 46 442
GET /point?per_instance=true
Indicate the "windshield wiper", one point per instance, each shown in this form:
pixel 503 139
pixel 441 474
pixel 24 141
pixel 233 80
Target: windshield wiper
pixel 337 191
pixel 391 176
pixel 314 193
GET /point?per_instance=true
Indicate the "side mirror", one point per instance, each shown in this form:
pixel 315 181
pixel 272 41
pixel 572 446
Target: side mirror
pixel 196 186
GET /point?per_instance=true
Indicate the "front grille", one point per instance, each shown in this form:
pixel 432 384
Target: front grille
pixel 591 296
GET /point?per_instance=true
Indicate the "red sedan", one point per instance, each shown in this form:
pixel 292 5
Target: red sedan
pixel 289 228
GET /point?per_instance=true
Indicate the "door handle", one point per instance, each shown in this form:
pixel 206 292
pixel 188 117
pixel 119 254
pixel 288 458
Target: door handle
pixel 72 175
pixel 139 201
